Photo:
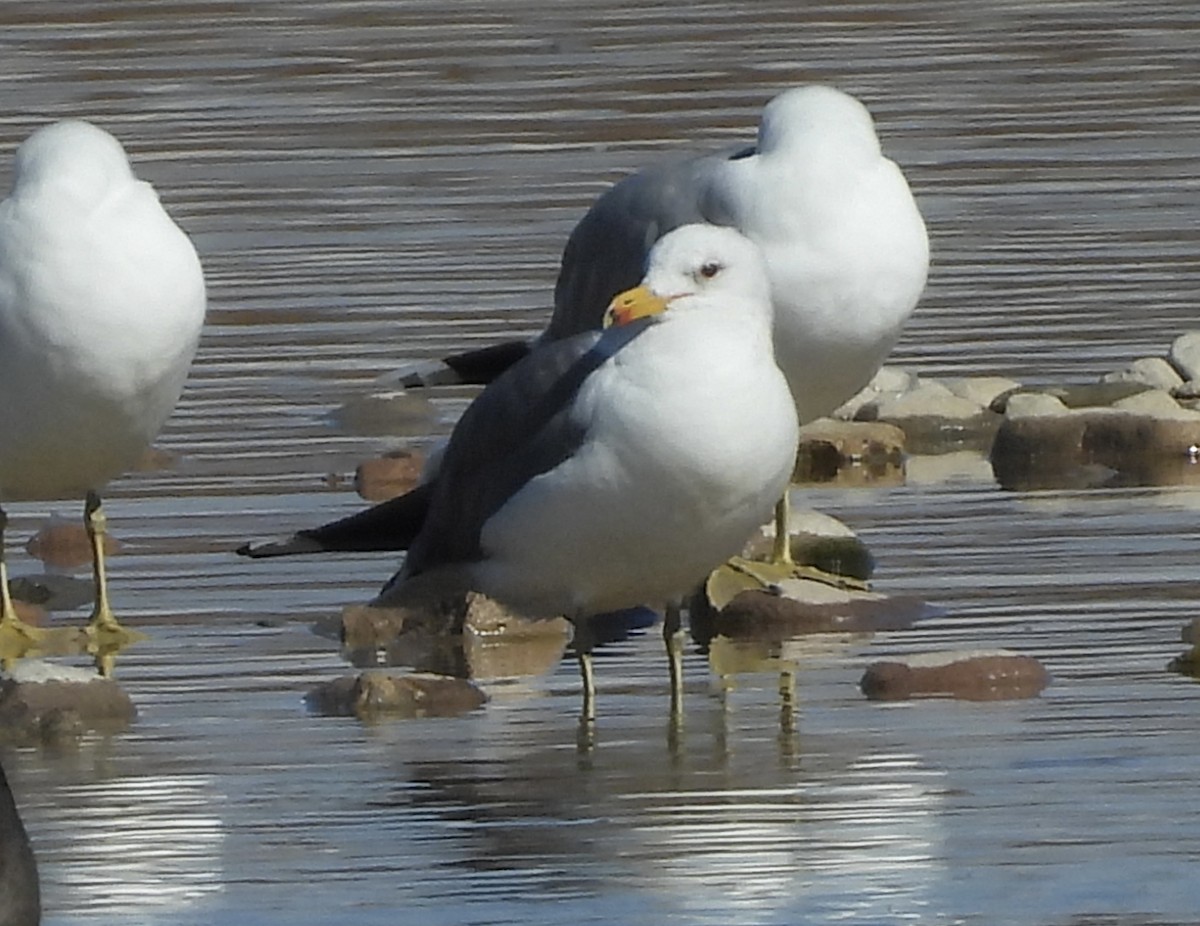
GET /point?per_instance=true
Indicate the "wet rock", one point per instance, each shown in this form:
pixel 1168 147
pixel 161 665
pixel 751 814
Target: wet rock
pixel 1096 395
pixel 806 607
pixel 887 381
pixel 65 544
pixel 934 419
pixel 53 591
pixel 851 452
pixel 442 628
pixel 982 391
pixel 392 412
pixel 1145 438
pixel 993 675
pixel 1185 355
pixel 1155 372
pixel 44 703
pixel 820 541
pixel 378 693
pixel 438 609
pixel 388 476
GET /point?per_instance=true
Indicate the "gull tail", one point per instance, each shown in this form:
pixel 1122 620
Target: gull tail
pixel 391 525
pixel 474 367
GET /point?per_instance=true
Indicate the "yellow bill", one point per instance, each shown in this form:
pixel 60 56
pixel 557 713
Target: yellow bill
pixel 635 303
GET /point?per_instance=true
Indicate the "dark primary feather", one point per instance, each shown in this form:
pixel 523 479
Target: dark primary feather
pixel 517 428
pixel 390 525
pixel 20 894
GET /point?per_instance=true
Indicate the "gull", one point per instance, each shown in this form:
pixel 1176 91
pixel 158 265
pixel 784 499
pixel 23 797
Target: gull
pixel 845 245
pixel 101 304
pixel 20 893
pixel 608 469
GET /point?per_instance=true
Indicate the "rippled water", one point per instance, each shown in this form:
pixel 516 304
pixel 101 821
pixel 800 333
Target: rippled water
pixel 370 183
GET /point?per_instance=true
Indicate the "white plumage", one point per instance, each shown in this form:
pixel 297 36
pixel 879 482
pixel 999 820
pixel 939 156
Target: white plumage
pixel 101 304
pixel 607 470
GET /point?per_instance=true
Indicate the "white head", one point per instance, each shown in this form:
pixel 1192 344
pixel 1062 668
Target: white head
pixel 816 116
pixel 73 156
pixel 716 263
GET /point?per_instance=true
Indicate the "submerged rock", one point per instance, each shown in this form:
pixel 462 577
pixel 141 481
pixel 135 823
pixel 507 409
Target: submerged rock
pixel 391 412
pixel 388 476
pixel 1145 438
pixel 44 703
pixel 379 693
pixel 850 452
pixel 989 675
pixel 66 544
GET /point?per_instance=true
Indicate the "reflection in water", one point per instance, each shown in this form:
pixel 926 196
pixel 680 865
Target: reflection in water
pixel 149 847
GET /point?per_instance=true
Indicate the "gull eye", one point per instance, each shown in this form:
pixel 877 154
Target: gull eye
pixel 710 269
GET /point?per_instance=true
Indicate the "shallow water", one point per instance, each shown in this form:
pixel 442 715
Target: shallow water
pixel 370 183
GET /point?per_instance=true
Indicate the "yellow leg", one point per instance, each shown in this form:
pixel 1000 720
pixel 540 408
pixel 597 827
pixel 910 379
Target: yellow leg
pixel 781 552
pixel 106 633
pixel 583 652
pixel 671 625
pixel 16 636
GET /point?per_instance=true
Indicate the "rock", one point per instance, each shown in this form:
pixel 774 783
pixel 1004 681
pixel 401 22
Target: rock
pixel 378 693
pixel 388 476
pixel 65 544
pixel 982 391
pixel 804 607
pixel 928 399
pixel 1033 405
pixel 993 675
pixel 1187 392
pixel 830 449
pixel 444 629
pixel 41 702
pixel 1151 371
pixel 392 412
pixel 1185 355
pixel 1096 395
pixel 1156 403
pixel 887 381
pixel 1146 439
pixel 820 541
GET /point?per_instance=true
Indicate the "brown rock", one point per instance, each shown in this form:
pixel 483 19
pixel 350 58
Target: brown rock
pixel 377 693
pixel 388 476
pixel 1095 448
pixel 987 676
pixel 50 703
pixel 65 544
pixel 393 412
pixel 866 452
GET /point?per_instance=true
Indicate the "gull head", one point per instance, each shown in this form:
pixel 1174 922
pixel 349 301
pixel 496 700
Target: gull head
pixel 816 117
pixel 698 265
pixel 72 156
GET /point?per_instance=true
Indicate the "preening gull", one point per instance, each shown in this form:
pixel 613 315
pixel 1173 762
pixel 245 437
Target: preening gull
pixel 608 469
pixel 845 246
pixel 101 305
pixel 20 892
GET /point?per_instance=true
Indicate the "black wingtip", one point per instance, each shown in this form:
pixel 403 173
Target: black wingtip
pixel 472 368
pixel 280 546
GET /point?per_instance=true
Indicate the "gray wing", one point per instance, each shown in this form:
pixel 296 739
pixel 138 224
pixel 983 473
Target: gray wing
pixel 606 253
pixel 517 428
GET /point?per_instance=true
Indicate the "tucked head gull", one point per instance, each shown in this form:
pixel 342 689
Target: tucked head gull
pixel 846 249
pixel 608 469
pixel 101 304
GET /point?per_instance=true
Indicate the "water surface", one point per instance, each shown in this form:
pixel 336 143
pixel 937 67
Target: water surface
pixel 371 183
